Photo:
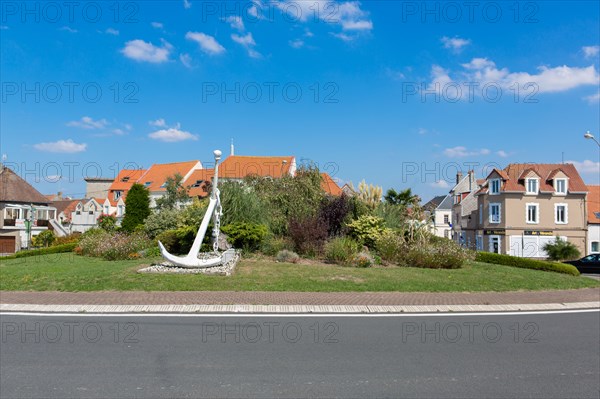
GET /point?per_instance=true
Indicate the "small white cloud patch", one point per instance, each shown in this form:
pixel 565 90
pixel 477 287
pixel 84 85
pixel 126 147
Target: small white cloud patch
pixel 142 51
pixel 61 146
pixel 207 43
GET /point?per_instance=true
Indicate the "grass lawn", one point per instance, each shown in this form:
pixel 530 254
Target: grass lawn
pixel 69 272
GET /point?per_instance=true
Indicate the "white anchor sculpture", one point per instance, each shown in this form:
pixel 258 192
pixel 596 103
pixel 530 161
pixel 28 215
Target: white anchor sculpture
pixel 215 211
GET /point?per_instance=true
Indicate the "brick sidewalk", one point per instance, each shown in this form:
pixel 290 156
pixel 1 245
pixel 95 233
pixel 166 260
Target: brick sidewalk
pixel 297 298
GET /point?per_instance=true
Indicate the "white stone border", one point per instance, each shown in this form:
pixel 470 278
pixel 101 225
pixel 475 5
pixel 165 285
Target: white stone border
pixel 292 309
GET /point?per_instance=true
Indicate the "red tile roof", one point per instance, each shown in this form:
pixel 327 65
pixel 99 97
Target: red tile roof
pixel 238 167
pixel 330 186
pixel 157 175
pixel 593 204
pixel 547 172
pixel 201 177
pixel 126 179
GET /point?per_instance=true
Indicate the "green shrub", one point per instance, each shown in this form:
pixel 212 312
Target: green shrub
pixel 435 255
pixel 390 246
pixel 272 245
pixel 341 250
pixel 57 249
pixel 180 241
pixel 560 250
pixel 71 238
pixel 367 229
pixel 161 221
pixel 107 222
pixel 246 236
pixel 137 207
pixel 286 256
pixel 44 239
pixel 513 261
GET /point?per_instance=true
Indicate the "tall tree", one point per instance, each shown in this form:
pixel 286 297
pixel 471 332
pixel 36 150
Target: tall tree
pixel 137 207
pixel 175 193
pixel 404 197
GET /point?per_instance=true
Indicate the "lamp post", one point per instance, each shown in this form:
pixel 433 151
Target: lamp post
pixel 590 136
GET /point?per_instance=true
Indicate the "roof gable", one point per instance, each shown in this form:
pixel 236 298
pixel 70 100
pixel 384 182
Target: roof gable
pixel 545 171
pixel 330 186
pixel 14 189
pixel 156 176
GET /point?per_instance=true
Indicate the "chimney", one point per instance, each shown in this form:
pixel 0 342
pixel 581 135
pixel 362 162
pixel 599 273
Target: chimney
pixel 459 177
pixel 59 195
pixel 471 173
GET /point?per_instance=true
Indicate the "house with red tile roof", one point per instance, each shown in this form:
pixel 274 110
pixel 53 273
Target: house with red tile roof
pixel 236 167
pixel 593 213
pixel 330 186
pixel 155 178
pixel 524 206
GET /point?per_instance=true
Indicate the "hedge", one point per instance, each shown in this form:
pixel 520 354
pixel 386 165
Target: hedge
pixel 57 249
pixel 506 260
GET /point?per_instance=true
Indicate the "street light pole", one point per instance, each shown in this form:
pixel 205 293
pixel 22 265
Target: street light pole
pixel 590 136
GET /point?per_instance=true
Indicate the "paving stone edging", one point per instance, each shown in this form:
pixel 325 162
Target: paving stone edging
pixel 292 309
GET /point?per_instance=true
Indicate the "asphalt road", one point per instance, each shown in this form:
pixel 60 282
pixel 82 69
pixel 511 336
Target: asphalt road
pixel 486 356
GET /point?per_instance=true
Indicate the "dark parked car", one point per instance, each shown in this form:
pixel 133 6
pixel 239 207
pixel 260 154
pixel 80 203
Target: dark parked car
pixel 589 264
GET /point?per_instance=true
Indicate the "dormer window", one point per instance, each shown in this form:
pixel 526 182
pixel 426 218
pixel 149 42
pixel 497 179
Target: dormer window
pixel 495 186
pixel 533 186
pixel 198 183
pixel 163 185
pixel 118 195
pixel 560 186
pixel 125 179
pixel 148 183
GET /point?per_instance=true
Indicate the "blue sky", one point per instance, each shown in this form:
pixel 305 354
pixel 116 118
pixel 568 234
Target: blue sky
pixel 398 93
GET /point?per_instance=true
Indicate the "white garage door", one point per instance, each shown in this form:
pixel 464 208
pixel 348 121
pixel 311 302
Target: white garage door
pixel 530 246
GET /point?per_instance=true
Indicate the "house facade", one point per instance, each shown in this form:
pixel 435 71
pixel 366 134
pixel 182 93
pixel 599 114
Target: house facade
pixel 593 201
pixel 440 215
pixel 525 206
pixel 464 210
pixel 24 212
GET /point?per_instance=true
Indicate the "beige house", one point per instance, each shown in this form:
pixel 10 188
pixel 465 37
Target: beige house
pixel 525 206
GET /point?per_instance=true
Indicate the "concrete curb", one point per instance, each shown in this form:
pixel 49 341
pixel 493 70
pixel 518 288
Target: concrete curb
pixel 291 309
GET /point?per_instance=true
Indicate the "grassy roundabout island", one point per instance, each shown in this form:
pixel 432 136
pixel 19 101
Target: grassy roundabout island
pixel 70 272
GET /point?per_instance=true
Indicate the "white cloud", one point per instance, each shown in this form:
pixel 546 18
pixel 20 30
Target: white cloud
pixel 349 14
pixel 456 44
pixel 187 4
pixel 172 135
pixel 548 80
pixel 593 99
pixel 62 146
pixel 112 31
pixel 462 152
pixel 394 75
pixel 587 167
pixel 590 51
pixel 186 60
pixel 298 43
pixel 119 132
pixel 502 154
pixel 68 29
pixel 357 25
pixel 344 37
pixel 140 50
pixel 158 123
pixel 207 43
pixel 157 25
pixel 235 22
pixel 440 184
pixel 247 41
pixel 423 131
pixel 88 123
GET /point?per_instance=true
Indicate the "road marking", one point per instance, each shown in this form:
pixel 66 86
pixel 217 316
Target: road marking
pixel 300 315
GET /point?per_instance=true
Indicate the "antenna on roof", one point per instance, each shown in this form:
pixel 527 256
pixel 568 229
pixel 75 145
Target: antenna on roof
pixel 4 157
pixel 232 148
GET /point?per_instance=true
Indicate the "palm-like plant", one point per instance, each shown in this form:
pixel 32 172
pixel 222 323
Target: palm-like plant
pixel 560 250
